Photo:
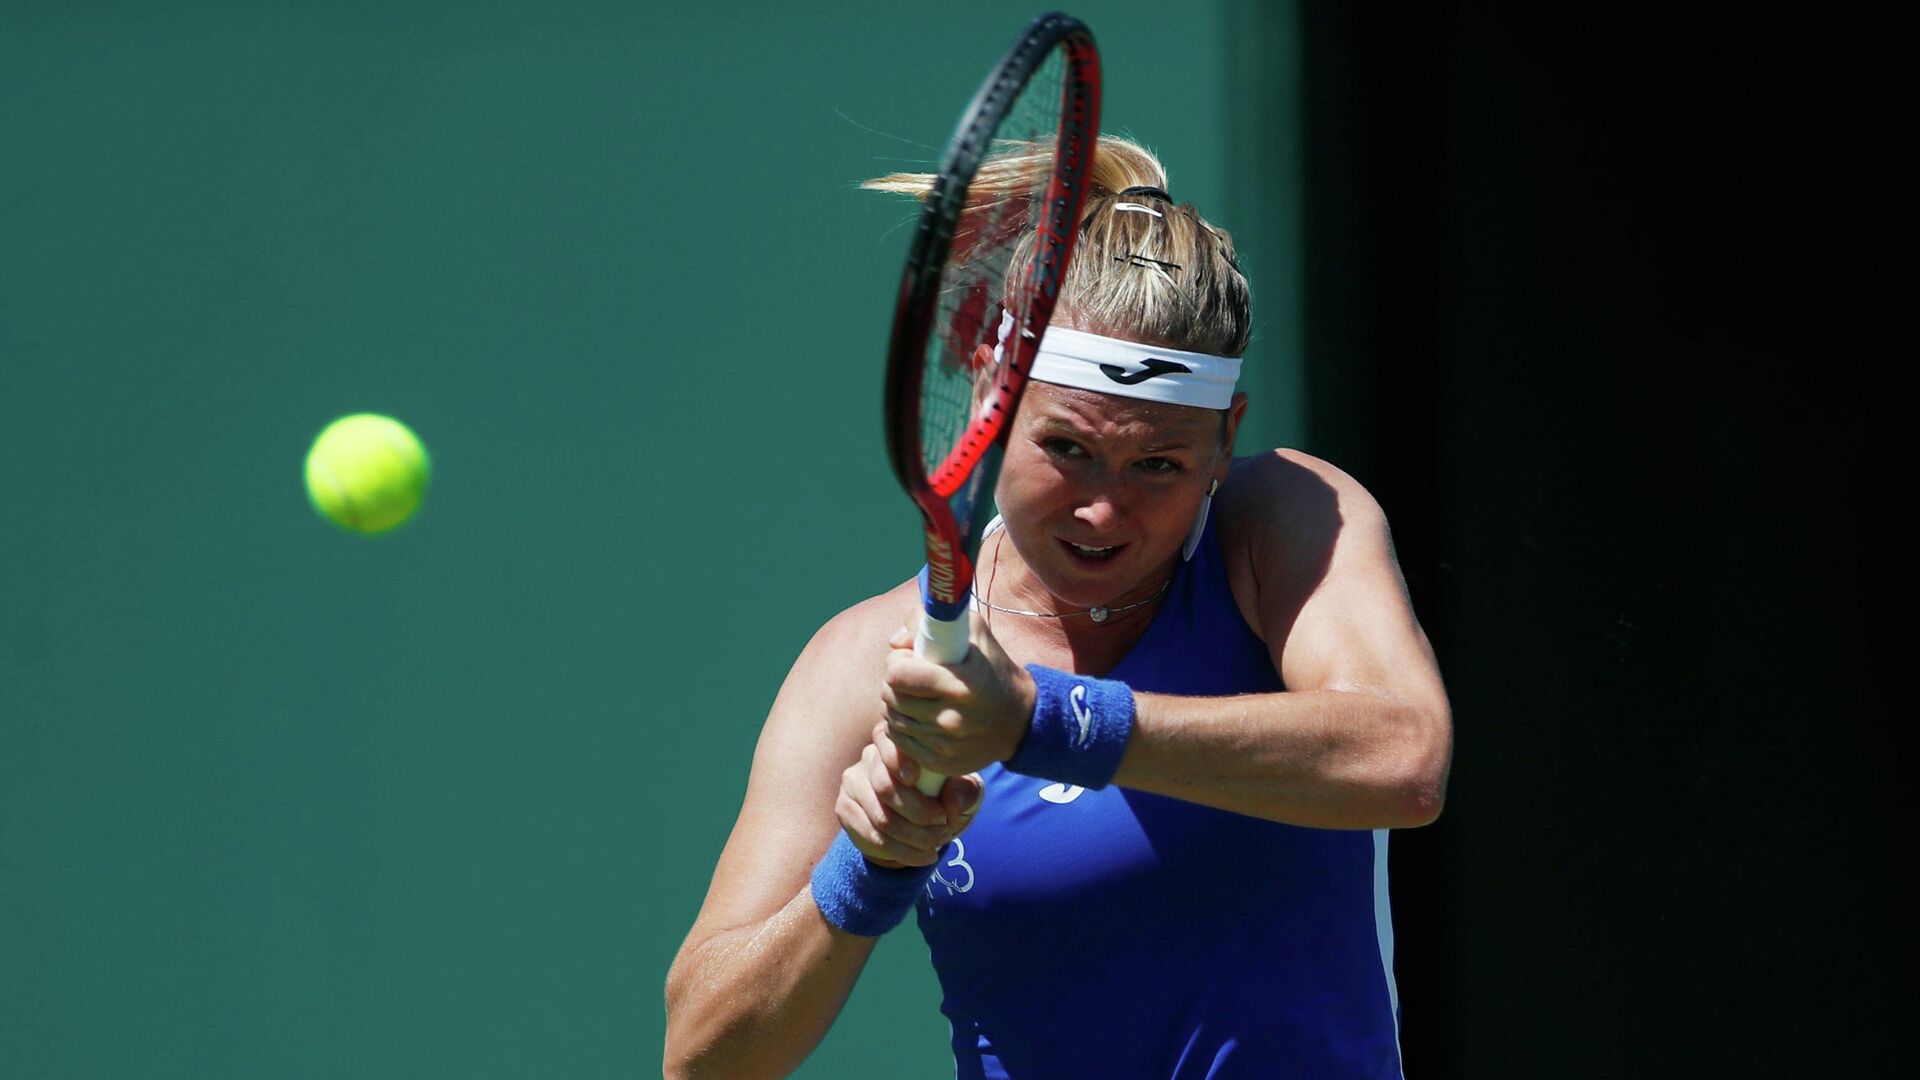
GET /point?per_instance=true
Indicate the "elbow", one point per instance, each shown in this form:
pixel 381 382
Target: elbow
pixel 693 1054
pixel 686 1056
pixel 676 1062
pixel 686 1049
pixel 676 1065
pixel 1420 805
pixel 1420 780
pixel 704 1031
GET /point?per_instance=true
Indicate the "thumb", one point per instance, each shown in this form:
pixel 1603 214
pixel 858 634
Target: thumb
pixel 962 795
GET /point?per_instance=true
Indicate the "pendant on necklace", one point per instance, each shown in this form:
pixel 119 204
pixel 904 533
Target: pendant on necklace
pixel 1098 614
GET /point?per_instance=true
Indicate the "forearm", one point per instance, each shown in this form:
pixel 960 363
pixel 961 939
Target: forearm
pixel 1326 759
pixel 755 1001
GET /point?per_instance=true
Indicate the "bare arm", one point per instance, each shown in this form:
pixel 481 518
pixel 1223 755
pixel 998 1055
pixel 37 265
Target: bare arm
pixel 1363 736
pixel 762 974
pixel 755 1000
pixel 1329 759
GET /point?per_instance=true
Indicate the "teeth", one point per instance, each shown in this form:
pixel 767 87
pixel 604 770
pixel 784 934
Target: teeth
pixel 1090 550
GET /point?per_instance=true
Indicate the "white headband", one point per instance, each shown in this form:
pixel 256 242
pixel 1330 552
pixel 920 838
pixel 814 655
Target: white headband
pixel 1127 368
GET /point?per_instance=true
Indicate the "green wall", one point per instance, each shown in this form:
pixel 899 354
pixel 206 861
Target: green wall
pixel 280 801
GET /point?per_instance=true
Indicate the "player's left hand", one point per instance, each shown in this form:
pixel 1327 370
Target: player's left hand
pixel 958 719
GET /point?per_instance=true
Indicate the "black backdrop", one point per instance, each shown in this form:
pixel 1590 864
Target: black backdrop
pixel 1602 305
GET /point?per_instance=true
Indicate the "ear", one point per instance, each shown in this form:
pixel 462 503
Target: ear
pixel 983 373
pixel 1235 412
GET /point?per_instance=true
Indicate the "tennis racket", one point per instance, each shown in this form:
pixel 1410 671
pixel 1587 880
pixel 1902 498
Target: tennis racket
pixel 984 271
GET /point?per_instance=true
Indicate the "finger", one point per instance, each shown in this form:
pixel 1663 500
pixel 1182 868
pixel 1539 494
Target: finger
pixel 911 675
pixel 921 708
pixel 870 841
pixel 858 790
pixel 902 638
pixel 913 843
pixel 871 818
pixel 857 821
pixel 921 740
pixel 900 796
pixel 892 835
pixel 927 755
pixel 898 809
pixel 904 767
pixel 960 796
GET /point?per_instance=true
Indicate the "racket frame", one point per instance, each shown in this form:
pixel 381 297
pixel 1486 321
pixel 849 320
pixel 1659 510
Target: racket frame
pixel 951 494
pixel 950 497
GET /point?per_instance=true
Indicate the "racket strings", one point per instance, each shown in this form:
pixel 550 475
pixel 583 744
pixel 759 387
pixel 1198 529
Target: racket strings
pixel 993 242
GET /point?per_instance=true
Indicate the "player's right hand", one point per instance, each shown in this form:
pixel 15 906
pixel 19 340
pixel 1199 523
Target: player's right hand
pixel 892 823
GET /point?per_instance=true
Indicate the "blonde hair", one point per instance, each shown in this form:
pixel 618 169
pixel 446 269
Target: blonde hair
pixel 1167 278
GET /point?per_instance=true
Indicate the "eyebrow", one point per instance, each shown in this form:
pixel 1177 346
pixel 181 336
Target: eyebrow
pixel 1055 424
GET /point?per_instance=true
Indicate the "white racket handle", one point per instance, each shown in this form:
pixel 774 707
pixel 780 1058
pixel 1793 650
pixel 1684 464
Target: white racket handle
pixel 942 643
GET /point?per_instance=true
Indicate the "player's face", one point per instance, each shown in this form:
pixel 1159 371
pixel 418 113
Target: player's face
pixel 1099 492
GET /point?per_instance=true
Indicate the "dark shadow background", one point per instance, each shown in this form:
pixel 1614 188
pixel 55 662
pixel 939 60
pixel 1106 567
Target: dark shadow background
pixel 1602 305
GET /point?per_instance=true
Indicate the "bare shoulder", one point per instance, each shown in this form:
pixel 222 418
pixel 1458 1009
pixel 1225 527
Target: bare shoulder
pixel 1313 571
pixel 1279 485
pixel 1284 517
pixel 839 669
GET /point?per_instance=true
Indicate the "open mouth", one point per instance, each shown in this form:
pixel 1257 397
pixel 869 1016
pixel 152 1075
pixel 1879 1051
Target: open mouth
pixel 1092 554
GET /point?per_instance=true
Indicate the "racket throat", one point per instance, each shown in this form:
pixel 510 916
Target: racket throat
pixel 946 580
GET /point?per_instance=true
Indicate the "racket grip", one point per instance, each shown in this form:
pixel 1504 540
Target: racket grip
pixel 943 643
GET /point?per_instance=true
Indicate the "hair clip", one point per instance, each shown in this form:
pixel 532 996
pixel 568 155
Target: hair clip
pixel 1145 189
pixel 1137 208
pixel 1145 263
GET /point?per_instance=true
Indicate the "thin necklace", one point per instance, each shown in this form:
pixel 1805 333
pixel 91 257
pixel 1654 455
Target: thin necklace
pixel 1099 613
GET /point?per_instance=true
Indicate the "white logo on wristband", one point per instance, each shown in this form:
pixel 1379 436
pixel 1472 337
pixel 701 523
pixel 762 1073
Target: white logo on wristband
pixel 1077 697
pixel 1061 794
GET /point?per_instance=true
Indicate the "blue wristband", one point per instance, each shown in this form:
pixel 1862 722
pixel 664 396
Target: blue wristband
pixel 862 898
pixel 1079 730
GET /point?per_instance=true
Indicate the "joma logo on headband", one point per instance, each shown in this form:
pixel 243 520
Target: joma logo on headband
pixel 1149 368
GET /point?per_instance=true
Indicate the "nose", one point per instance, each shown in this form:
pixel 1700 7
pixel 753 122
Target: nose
pixel 1098 510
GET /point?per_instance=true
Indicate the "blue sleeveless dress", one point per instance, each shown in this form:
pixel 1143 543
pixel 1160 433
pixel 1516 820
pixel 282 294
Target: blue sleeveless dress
pixel 1105 934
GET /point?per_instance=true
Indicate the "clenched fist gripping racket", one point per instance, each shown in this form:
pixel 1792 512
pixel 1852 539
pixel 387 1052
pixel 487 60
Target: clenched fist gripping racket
pixel 981 281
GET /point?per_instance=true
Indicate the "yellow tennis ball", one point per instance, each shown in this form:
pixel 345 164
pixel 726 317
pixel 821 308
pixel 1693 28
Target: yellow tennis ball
pixel 367 472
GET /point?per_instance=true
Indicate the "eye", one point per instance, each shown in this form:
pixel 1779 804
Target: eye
pixel 1161 465
pixel 1060 447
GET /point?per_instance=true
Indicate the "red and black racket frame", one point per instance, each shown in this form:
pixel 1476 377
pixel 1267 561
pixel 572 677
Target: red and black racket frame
pixel 951 496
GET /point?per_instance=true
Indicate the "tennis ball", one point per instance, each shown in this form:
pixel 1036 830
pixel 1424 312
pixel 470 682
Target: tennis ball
pixel 367 472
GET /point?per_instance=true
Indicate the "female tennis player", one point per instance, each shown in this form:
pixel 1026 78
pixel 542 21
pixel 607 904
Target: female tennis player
pixel 1197 700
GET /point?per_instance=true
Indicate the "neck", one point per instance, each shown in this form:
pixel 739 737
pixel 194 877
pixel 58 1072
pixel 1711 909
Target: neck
pixel 1039 616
